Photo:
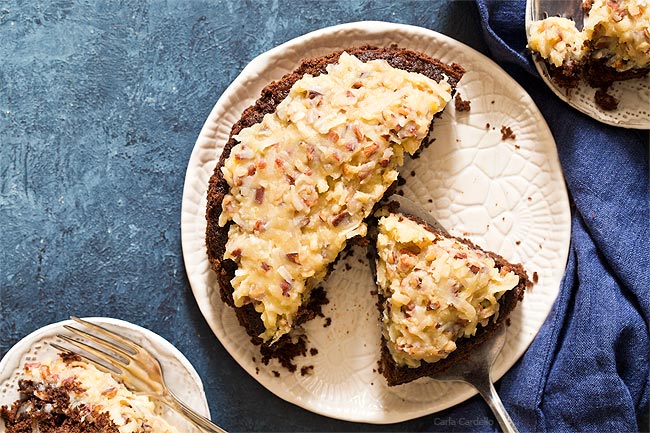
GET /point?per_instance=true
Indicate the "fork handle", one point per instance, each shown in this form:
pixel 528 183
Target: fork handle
pixel 198 420
pixel 489 393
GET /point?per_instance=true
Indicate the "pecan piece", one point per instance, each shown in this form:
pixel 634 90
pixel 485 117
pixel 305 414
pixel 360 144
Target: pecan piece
pixel 286 288
pixel 311 94
pixel 259 195
pixel 338 219
pixel 294 258
pixel 259 226
pixel 370 149
pixel 358 133
pixel 110 392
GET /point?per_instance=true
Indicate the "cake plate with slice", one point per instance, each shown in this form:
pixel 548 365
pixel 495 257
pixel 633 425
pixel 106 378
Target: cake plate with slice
pixel 183 378
pixel 633 95
pixel 506 194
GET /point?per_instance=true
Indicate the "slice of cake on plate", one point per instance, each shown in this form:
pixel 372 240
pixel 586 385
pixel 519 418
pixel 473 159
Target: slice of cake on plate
pixel 67 394
pixel 613 45
pixel 439 295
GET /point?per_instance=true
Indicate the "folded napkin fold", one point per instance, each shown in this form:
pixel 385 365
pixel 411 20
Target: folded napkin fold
pixel 588 368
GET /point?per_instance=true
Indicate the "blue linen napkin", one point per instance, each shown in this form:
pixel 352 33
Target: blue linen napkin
pixel 588 368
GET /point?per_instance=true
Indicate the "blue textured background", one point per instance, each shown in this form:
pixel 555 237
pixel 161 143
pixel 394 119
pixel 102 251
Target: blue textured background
pixel 100 106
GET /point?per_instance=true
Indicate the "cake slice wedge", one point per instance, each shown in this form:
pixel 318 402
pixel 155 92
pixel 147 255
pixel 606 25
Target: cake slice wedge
pixel 439 296
pixel 305 166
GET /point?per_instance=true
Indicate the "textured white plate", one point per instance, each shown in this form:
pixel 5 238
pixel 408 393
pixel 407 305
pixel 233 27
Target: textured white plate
pixel 182 378
pixel 508 196
pixel 634 95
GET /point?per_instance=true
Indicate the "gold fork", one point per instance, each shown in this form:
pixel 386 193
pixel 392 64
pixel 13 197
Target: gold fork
pixel 131 363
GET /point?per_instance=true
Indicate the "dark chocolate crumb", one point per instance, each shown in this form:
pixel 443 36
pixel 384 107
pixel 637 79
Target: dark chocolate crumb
pixel 460 104
pixel 606 101
pixel 506 133
pixel 313 351
pixel 535 277
pixel 328 322
pixel 307 369
pixel 508 321
pixel 276 373
pixel 518 242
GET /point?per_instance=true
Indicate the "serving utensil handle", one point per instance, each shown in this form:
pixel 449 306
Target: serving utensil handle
pixel 489 393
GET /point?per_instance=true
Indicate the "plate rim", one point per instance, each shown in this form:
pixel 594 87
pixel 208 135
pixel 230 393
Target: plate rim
pixel 369 29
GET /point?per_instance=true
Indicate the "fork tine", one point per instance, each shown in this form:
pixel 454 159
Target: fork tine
pixel 99 365
pixel 100 329
pixel 109 359
pixel 103 343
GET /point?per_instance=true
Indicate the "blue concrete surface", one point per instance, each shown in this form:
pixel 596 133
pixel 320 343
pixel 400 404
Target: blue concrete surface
pixel 100 106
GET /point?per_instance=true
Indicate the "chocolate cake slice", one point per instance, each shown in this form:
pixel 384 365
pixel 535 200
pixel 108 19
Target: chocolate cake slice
pixel 303 168
pixel 439 296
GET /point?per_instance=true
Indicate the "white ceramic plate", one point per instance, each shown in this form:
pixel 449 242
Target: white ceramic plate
pixel 182 378
pixel 634 95
pixel 508 196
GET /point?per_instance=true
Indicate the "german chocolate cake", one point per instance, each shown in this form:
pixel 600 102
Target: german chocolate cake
pixel 303 169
